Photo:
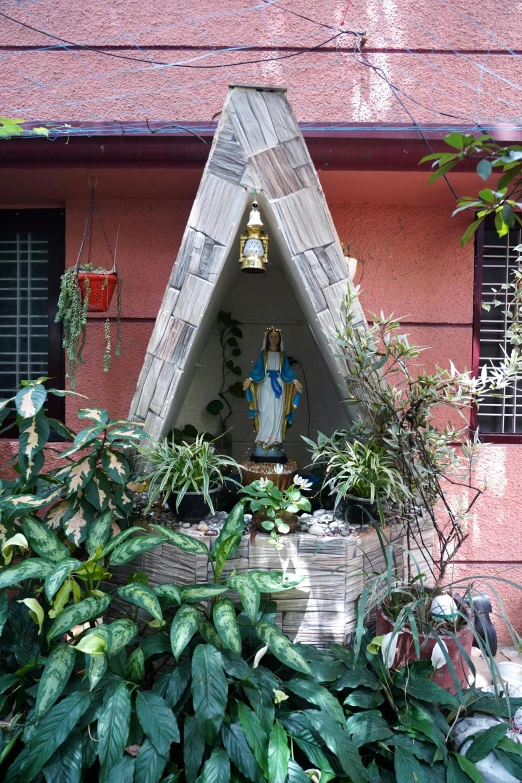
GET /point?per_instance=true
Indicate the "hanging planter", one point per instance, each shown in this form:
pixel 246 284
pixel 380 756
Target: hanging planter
pixel 85 288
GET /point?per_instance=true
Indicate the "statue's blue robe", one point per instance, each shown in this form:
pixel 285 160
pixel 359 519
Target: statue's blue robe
pixel 287 375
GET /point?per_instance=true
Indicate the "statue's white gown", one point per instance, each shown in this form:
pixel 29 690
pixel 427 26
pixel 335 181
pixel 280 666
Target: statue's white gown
pixel 270 412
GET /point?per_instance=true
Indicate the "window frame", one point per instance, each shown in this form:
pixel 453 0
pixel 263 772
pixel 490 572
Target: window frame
pixel 52 222
pixel 484 437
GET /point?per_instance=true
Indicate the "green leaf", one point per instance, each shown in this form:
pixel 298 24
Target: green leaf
pixel 98 491
pixel 142 596
pixel 100 415
pixel 209 690
pixel 4 608
pixel 115 541
pixel 197 593
pixel 78 614
pixel 175 684
pixel 249 592
pixel 77 523
pixel 296 774
pixel 156 644
pixel 427 690
pixel 43 541
pixel 234 524
pixel 217 768
pixel 120 634
pixel 30 399
pixel 183 628
pixel 366 727
pixel 92 644
pixel 240 754
pixel 297 728
pixel 65 765
pixel 467 767
pixel 96 666
pixel 149 764
pixel 169 591
pixel 79 475
pixel 215 407
pixel 224 616
pixel 484 742
pixel 32 568
pixel 115 466
pixel 364 698
pixel 282 648
pixel 182 541
pixel 157 721
pixel 129 550
pixel 34 433
pixel 136 666
pixel 338 741
pixel 255 735
pixel 278 754
pixel 455 140
pixel 99 532
pixel 55 677
pixel 122 772
pixel 225 551
pixel 113 727
pixel 407 768
pixel 511 762
pixel 193 748
pixel 53 729
pixel 210 635
pixel 316 694
pixel 484 168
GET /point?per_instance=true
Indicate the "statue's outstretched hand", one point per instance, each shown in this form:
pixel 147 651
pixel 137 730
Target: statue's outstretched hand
pixel 246 384
pixel 298 386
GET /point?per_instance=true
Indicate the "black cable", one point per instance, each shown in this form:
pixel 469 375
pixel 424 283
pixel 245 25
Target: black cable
pixel 85 47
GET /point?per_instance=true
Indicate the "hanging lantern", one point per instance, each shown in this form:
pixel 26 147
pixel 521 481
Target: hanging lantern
pixel 253 246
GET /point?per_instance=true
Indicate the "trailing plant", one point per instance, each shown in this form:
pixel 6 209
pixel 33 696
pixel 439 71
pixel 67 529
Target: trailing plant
pixel 72 312
pixel 396 406
pixel 173 467
pixel 229 334
pixel 275 505
pixel 187 685
pixel 93 475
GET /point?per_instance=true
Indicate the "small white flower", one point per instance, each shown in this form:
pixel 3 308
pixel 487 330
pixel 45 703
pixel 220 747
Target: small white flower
pixel 437 656
pixel 299 481
pixel 389 648
pixel 263 483
pixel 279 468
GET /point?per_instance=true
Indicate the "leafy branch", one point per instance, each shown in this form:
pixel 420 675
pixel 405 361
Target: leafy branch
pixel 229 334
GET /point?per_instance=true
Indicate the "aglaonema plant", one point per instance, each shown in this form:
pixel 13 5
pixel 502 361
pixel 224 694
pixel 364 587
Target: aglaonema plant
pixel 95 475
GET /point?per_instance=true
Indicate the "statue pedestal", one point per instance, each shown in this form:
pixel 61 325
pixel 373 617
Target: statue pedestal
pixel 252 471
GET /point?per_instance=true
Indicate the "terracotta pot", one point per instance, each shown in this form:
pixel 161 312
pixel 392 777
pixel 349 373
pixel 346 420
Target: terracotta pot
pixel 287 516
pixel 406 650
pixel 102 287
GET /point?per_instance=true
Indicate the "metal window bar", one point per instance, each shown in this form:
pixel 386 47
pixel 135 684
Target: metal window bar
pixel 24 348
pixel 497 415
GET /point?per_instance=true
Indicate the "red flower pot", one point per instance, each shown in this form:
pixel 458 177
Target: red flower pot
pixel 101 289
pixel 406 650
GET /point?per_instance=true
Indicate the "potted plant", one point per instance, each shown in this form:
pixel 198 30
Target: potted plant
pixel 361 476
pixel 274 509
pixel 188 475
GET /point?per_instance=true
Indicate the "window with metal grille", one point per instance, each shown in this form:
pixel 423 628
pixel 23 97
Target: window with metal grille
pixel 31 264
pixel 499 416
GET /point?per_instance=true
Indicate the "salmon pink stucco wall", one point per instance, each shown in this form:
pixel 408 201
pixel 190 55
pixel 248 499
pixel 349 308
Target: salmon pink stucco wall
pixel 411 264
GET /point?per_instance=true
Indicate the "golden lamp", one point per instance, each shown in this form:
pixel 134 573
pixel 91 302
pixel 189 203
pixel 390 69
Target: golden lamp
pixel 253 245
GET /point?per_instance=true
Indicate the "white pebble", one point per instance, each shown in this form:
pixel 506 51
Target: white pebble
pixel 316 530
pixel 185 524
pixel 202 527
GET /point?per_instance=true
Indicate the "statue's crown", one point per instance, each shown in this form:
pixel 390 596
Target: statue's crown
pixel 272 329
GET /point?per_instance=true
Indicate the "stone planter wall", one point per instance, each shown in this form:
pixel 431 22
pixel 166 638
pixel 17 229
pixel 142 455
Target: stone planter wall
pixel 322 608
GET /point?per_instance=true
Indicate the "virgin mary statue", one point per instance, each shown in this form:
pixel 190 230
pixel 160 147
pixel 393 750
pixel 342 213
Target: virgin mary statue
pixel 272 393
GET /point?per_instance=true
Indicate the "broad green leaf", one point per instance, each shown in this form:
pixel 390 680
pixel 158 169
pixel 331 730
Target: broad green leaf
pixel 274 581
pixel 78 614
pixel 59 573
pixel 193 748
pixel 224 616
pixel 366 727
pixel 282 648
pixel 136 666
pixel 96 666
pixel 98 490
pixel 224 552
pixel 240 754
pixel 115 466
pixel 249 592
pixel 32 568
pixel 157 721
pixel 4 608
pixel 29 400
pixel 338 741
pixel 217 768
pixel 174 684
pixel 255 735
pixel 30 467
pixel 297 727
pixel 124 500
pixel 467 768
pixel 209 690
pixel 210 635
pixel 427 690
pixel 77 524
pixel 93 644
pixel 99 532
pixel 142 596
pixel 316 694
pixel 511 762
pixel 113 727
pixel 55 677
pixel 169 591
pixel 58 514
pixel 156 644
pixel 53 729
pixel 88 435
pixel 234 525
pixel 129 550
pixel 407 768
pixel 65 765
pixel 44 542
pixel 115 541
pixel 80 473
pixel 197 593
pixel 183 628
pixel 296 774
pixel 28 502
pixel 34 433
pixel 278 754
pixel 118 633
pixel 364 698
pixel 149 764
pixel 62 430
pixel 484 742
pixel 182 541
pixel 100 415
pixel 484 168
pixel 123 771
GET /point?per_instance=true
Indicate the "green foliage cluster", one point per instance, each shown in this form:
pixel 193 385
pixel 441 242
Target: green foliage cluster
pixel 229 334
pixel 263 496
pixel 180 467
pixel 93 475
